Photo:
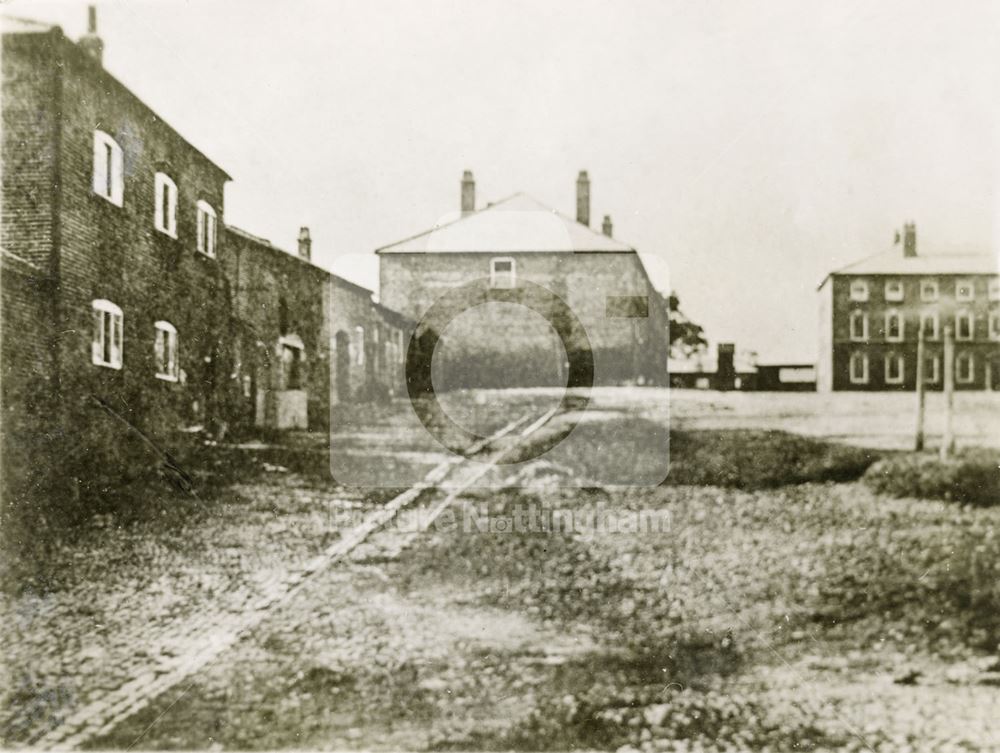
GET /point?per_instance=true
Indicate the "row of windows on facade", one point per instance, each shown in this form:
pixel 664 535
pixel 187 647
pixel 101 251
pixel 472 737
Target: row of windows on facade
pixel 930 290
pixel 109 183
pixel 894 365
pixel 894 329
pixel 391 342
pixel 107 349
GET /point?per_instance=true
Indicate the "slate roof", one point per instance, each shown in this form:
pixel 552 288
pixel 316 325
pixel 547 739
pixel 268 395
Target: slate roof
pixel 892 262
pixel 517 224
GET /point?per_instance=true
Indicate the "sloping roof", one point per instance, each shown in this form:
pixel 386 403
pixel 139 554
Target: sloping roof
pixel 892 262
pixel 517 224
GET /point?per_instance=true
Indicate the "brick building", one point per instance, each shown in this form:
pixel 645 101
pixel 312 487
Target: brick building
pixel 506 246
pixel 872 311
pixel 130 310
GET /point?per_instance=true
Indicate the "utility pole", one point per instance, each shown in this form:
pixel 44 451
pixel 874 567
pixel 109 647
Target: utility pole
pixel 948 440
pixel 921 388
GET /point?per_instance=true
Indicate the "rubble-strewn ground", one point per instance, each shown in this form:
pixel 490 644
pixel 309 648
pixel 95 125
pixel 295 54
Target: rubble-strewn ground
pixel 813 616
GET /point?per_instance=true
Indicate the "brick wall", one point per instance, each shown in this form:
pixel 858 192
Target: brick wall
pixel 984 350
pixel 522 344
pixel 276 295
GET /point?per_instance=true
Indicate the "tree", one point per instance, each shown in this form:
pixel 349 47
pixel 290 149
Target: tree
pixel 686 337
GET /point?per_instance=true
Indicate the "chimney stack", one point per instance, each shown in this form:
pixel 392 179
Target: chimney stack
pixel 90 42
pixel 468 193
pixel 583 198
pixel 305 244
pixel 909 240
pixel 606 225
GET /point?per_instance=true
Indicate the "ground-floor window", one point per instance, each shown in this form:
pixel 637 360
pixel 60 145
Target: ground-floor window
pixel 894 368
pixel 292 353
pixel 165 351
pixel 859 368
pixel 106 346
pixel 932 365
pixel 965 368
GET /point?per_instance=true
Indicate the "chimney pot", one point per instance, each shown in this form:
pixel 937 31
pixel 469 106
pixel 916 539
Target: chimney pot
pixel 606 225
pixel 90 42
pixel 468 192
pixel 583 198
pixel 305 244
pixel 909 240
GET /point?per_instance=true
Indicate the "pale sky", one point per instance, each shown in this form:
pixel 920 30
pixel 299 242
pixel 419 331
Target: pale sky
pixel 751 147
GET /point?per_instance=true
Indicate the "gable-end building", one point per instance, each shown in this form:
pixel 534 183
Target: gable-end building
pixel 872 311
pixel 510 245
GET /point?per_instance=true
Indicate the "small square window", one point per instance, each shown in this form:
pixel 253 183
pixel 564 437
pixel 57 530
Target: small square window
pixel 929 290
pixel 965 290
pixel 503 273
pixel 859 290
pixel 894 290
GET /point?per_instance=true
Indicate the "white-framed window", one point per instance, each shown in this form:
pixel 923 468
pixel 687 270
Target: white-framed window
pixel 109 172
pixel 165 211
pixel 994 289
pixel 995 324
pixel 106 346
pixel 964 290
pixel 206 228
pixel 165 352
pixel 503 273
pixel 932 369
pixel 965 367
pixel 930 322
pixel 359 345
pixel 859 325
pixel 859 290
pixel 291 354
pixel 894 325
pixel 929 290
pixel 894 368
pixel 964 325
pixel 859 368
pixel 894 290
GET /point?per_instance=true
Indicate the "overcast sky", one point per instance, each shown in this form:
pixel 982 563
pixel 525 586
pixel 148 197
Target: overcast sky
pixel 752 147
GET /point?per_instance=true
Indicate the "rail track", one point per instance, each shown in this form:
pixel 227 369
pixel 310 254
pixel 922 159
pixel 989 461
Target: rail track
pixel 213 634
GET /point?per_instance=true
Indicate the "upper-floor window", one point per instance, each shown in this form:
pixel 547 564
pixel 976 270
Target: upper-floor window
pixel 165 212
pixel 965 367
pixel 859 290
pixel 929 290
pixel 503 273
pixel 930 324
pixel 964 290
pixel 859 368
pixel 359 345
pixel 893 325
pixel 894 290
pixel 963 325
pixel 894 368
pixel 994 289
pixel 859 325
pixel 109 174
pixel 206 228
pixel 165 351
pixel 106 345
pixel 995 324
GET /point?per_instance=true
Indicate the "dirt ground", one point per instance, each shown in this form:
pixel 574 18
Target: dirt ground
pixel 537 615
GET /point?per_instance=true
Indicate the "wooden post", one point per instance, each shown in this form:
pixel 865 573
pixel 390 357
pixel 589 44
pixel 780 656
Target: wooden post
pixel 920 387
pixel 948 440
